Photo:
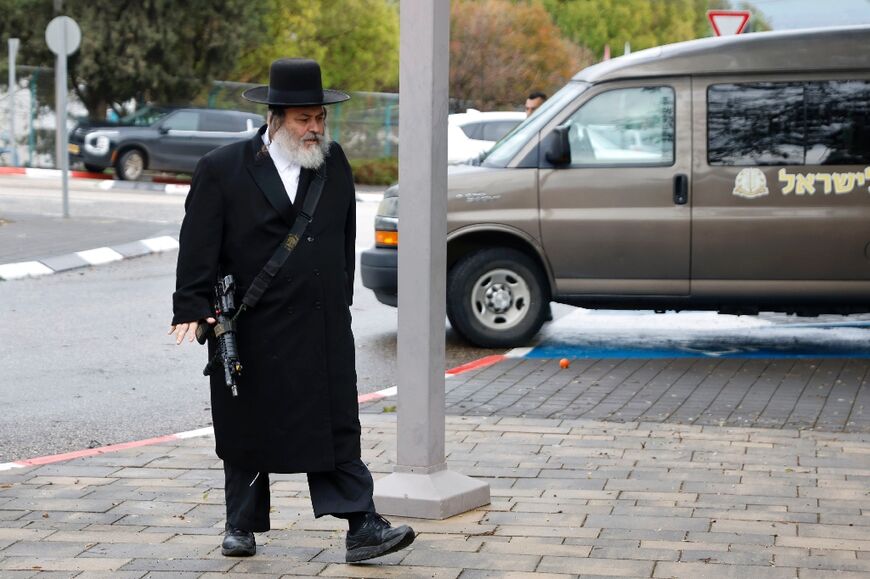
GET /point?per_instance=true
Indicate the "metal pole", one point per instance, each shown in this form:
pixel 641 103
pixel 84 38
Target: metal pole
pixel 61 149
pixel 335 129
pixel 212 96
pixel 388 131
pixel 62 35
pixel 421 485
pixel 423 254
pixel 31 134
pixel 13 84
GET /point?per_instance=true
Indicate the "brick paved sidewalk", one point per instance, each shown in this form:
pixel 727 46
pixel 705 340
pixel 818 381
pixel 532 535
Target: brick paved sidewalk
pixel 823 394
pixel 570 497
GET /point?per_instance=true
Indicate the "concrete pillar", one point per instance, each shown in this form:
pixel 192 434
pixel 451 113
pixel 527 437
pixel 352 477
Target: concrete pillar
pixel 421 484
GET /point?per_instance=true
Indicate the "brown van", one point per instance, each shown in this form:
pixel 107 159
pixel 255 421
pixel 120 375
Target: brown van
pixel 728 174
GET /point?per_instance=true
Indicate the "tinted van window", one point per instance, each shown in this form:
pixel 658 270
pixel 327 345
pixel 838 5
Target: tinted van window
pixel 632 126
pixel 811 123
pixel 838 123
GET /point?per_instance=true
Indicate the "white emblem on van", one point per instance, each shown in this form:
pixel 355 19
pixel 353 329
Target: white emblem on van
pixel 750 183
pixel 827 183
pixel 477 197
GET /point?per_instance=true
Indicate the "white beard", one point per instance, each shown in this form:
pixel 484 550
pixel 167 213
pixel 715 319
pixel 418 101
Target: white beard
pixel 298 152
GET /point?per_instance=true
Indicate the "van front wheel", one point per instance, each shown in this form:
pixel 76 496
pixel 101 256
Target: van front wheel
pixel 496 298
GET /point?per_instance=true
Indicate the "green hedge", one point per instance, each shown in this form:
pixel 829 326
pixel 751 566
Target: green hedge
pixel 384 171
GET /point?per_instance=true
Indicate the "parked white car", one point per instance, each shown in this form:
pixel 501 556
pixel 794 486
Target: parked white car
pixel 473 132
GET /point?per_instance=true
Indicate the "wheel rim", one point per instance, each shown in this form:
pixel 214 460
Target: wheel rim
pixel 500 299
pixel 133 166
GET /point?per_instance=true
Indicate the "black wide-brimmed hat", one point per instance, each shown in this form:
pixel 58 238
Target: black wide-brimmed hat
pixel 294 82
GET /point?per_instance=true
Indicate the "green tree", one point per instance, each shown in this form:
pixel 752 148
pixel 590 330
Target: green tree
pixel 151 50
pixel 501 50
pixel 25 20
pixel 356 42
pixel 758 22
pixel 642 23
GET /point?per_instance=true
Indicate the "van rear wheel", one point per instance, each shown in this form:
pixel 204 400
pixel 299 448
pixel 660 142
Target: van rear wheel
pixel 496 298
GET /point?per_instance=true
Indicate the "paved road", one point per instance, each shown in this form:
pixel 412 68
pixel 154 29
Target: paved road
pixel 87 361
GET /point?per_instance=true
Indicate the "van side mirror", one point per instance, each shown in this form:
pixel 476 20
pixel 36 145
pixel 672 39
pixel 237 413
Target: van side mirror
pixel 162 130
pixel 557 149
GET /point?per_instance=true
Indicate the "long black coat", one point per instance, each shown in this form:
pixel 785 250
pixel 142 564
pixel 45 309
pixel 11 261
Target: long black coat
pixel 297 407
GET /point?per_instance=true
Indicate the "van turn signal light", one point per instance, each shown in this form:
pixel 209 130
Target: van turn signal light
pixel 387 238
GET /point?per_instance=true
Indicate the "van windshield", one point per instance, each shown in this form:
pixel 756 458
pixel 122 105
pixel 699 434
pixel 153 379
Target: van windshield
pixel 507 148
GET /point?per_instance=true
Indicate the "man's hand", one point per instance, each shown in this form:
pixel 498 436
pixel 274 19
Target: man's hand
pixel 186 329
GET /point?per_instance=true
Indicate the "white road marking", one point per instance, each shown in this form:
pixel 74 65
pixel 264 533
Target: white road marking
pixel 163 243
pixel 21 269
pixel 100 255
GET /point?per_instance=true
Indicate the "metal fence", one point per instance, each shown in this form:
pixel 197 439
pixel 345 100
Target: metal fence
pixel 35 119
pixel 366 126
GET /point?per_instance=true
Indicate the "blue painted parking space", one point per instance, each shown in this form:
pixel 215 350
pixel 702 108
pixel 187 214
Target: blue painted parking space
pixel 610 334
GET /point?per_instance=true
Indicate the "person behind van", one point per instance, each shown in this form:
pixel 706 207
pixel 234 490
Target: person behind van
pixel 534 100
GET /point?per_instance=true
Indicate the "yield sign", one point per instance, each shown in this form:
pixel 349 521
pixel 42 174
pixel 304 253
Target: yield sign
pixel 728 22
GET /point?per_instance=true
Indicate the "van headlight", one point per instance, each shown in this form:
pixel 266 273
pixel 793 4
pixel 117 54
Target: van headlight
pixel 98 143
pixel 387 223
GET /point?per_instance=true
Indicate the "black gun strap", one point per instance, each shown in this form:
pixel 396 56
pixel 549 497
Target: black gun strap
pixel 264 278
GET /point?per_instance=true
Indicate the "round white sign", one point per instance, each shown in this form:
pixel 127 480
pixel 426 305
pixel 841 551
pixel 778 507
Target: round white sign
pixel 63 35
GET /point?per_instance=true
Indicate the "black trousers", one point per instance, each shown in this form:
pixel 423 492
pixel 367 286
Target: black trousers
pixel 345 490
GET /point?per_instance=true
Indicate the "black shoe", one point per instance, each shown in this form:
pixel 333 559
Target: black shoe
pixel 238 543
pixel 375 538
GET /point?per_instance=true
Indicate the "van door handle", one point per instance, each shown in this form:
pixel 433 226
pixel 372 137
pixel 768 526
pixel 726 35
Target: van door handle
pixel 681 189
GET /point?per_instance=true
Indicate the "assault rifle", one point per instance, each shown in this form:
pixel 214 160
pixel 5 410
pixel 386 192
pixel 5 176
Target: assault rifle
pixel 224 330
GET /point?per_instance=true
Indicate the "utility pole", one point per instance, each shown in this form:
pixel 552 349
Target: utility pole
pixel 421 485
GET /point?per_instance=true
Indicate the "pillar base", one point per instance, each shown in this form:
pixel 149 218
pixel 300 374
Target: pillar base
pixel 436 495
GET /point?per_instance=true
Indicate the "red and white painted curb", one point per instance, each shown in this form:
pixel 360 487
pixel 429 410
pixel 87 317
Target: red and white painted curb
pixel 474 365
pixel 167 184
pixel 104 449
pixel 156 183
pixel 209 431
pixel 51 173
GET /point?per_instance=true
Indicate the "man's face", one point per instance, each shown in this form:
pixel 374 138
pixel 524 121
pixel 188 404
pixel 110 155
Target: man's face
pixel 305 123
pixel 533 104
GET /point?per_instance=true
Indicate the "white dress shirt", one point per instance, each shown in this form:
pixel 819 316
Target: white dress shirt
pixel 287 170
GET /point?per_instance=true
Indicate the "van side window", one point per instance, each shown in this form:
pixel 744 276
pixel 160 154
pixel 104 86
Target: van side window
pixel 755 124
pixel 626 127
pixel 838 123
pixel 789 123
